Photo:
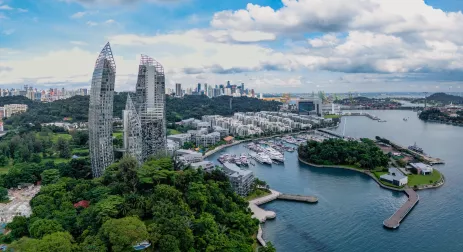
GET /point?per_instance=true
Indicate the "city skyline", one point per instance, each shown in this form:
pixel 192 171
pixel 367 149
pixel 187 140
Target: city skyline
pixel 276 46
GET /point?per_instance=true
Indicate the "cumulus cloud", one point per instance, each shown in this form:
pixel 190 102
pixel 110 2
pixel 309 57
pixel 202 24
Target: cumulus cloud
pixel 5 7
pixel 79 43
pixel 79 14
pixel 408 18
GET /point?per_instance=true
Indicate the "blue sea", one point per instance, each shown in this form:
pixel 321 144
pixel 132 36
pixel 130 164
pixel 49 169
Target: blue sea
pixel 352 207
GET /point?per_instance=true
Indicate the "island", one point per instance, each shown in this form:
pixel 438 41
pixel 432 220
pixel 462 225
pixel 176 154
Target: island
pixel 390 166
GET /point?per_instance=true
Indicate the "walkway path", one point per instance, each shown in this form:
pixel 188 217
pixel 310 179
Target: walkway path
pixel 399 215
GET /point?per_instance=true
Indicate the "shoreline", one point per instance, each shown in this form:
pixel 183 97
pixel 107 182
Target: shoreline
pixel 440 183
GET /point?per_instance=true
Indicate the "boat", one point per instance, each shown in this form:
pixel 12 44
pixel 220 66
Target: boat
pixel 261 158
pixel 405 119
pixel 244 160
pixel 274 154
pixel 382 121
pixel 415 148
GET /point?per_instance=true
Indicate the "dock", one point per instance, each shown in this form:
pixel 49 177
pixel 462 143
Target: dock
pixel 331 133
pixel 426 158
pixel 394 221
pixel 262 215
pixel 300 198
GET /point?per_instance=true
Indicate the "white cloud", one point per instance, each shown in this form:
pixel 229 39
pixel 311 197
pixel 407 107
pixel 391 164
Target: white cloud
pixel 79 14
pixel 110 21
pixel 91 23
pixel 22 10
pixel 8 31
pixel 411 18
pixel 5 7
pixel 79 43
pixel 2 16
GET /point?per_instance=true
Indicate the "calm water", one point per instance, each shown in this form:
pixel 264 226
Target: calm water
pixel 352 207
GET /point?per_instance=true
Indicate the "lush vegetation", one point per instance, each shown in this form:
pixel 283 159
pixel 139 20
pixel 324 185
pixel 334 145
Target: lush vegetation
pixel 361 154
pixel 369 102
pixel 189 106
pixel 441 98
pixel 437 115
pixel 198 105
pixel 175 210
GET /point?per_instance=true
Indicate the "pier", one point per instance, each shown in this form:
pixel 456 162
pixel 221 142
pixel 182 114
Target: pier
pixel 331 133
pixel 394 221
pixel 372 117
pixel 426 158
pixel 262 215
pixel 301 198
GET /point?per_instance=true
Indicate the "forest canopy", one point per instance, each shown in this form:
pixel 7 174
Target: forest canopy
pixel 174 210
pixel 76 108
pixel 361 154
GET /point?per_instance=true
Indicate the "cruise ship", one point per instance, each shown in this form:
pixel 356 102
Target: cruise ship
pixel 274 154
pixel 261 158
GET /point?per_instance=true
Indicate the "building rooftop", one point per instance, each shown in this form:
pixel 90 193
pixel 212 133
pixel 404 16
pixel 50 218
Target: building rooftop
pixel 236 170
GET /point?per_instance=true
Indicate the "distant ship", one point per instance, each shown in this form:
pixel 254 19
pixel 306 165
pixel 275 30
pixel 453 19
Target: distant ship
pixel 405 119
pixel 415 148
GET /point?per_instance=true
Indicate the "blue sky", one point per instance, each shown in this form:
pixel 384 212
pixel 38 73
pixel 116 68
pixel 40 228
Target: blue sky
pixel 270 45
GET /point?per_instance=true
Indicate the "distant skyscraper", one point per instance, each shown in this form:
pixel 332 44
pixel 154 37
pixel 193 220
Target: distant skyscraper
pixel 178 89
pixel 151 106
pixel 100 115
pixel 132 131
pixel 199 88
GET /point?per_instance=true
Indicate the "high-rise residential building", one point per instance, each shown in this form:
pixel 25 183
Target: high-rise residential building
pixel 100 116
pixel 11 109
pixel 199 88
pixel 151 106
pixel 132 131
pixel 178 90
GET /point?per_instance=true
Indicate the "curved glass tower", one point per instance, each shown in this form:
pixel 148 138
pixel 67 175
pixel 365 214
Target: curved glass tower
pixel 151 106
pixel 100 115
pixel 132 131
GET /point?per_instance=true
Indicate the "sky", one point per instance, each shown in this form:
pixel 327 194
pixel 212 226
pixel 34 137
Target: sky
pixel 269 45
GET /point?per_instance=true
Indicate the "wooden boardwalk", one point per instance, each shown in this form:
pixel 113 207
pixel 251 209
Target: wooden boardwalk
pixel 394 221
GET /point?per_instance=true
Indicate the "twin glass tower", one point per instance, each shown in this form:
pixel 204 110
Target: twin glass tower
pixel 144 116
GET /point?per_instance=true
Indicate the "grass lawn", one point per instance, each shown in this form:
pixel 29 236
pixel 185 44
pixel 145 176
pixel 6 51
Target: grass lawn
pixel 257 194
pixel 423 179
pixel 379 174
pixel 55 136
pixel 331 116
pixel 56 160
pixel 173 132
pixel 117 134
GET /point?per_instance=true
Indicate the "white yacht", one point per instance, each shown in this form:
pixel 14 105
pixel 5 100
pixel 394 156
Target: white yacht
pixel 261 158
pixel 274 154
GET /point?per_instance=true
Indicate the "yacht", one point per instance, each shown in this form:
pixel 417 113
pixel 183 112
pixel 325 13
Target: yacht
pixel 244 160
pixel 261 158
pixel 274 154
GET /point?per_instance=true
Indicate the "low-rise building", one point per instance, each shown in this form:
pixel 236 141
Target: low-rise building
pixel 420 168
pixel 205 165
pixel 180 138
pixel 172 146
pixel 395 177
pixel 240 180
pixel 189 156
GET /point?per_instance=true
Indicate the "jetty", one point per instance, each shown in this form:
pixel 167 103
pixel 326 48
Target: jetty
pixel 424 157
pixel 262 215
pixel 331 133
pixel 372 117
pixel 394 221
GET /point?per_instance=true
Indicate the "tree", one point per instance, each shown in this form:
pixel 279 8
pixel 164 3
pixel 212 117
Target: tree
pixel 3 194
pixel 62 146
pixel 168 243
pixel 42 227
pixel 268 248
pixel 18 227
pixel 50 176
pixel 124 233
pixel 36 158
pixel 4 160
pixel 56 242
pixel 80 137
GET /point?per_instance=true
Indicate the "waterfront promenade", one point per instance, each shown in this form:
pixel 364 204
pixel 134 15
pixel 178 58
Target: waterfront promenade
pixel 394 221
